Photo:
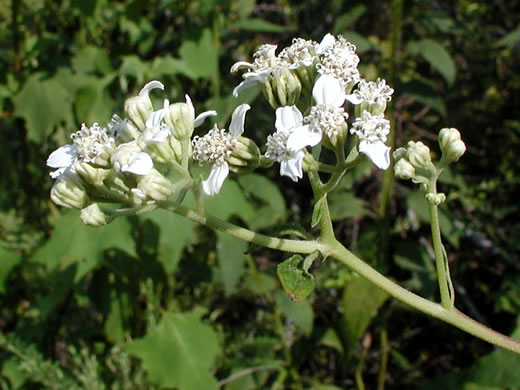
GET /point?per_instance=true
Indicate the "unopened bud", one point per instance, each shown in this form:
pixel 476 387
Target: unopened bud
pixel 139 107
pixel 122 130
pixel 282 88
pixel 451 145
pixel 91 175
pixel 180 118
pixel 435 199
pixel 419 155
pixel 245 156
pixel 154 185
pixel 68 191
pixel 403 169
pixel 93 216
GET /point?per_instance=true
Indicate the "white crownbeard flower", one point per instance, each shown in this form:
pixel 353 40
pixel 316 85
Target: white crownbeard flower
pixel 216 146
pixel 325 117
pixel 372 131
pixel 88 144
pixel 338 58
pixel 288 120
pixel 265 63
pixel 373 93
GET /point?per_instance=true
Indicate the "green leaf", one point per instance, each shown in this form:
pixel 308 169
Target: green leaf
pixel 73 242
pixel 317 212
pixel 120 310
pixel 330 339
pixel 271 208
pixel 344 204
pixel 261 25
pixel 92 59
pixel 43 103
pixel 343 21
pixel 299 312
pixel 361 300
pixel 231 258
pixel 179 352
pixel 202 56
pixel 437 56
pixel 424 92
pixel 230 201
pixel 509 39
pixel 295 280
pixel 175 231
pixel 260 283
pixel 8 260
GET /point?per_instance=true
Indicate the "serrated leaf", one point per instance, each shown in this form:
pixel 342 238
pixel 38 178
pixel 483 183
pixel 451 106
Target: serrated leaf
pixel 44 103
pixel 361 300
pixel 231 259
pixel 295 280
pixel 179 352
pixel 73 242
pixel 437 56
pixel 299 312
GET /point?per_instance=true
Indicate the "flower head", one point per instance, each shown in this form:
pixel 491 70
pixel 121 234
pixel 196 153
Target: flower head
pixel 216 146
pixel 372 131
pixel 288 120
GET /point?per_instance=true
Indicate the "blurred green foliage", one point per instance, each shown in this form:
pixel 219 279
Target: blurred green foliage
pixel 157 302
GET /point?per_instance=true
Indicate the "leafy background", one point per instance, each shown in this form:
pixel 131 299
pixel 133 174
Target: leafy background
pixel 157 302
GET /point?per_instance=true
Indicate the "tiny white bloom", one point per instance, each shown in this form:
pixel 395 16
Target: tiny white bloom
pixel 288 120
pixel 372 95
pixel 325 117
pixel 89 144
pixel 216 146
pixel 372 131
pixel 301 52
pixel 338 58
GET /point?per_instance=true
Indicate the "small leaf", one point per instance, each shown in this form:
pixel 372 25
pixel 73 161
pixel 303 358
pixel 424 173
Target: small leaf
pixel 299 312
pixel 317 213
pixel 437 56
pixel 295 280
pixel 179 352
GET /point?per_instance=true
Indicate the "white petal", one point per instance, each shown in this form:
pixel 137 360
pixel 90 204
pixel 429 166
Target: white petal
pixel 353 99
pixel 236 128
pixel 149 86
pixel 303 136
pixel 57 172
pixel 246 84
pixel 328 90
pixel 293 167
pixel 138 193
pixel 141 164
pixel 325 43
pixel 155 118
pixel 160 136
pixel 377 151
pixel 287 118
pixel 62 157
pixel 215 180
pixel 201 117
pixel 240 65
pixel 190 104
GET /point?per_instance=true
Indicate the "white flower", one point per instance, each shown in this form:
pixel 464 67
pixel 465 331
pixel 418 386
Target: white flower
pixel 301 52
pixel 288 120
pixel 326 117
pixel 129 158
pixel 89 144
pixel 372 131
pixel 216 146
pixel 372 95
pixel 338 58
pixel 265 63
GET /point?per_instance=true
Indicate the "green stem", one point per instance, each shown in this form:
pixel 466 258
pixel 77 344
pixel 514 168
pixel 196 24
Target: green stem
pixel 294 246
pixel 384 360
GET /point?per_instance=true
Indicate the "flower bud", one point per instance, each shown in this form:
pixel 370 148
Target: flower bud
pixel 158 147
pixel 122 130
pixel 68 191
pixel 180 118
pixel 419 155
pixel 91 175
pixel 139 107
pixel 282 88
pixel 435 199
pixel 154 185
pixel 245 156
pixel 451 145
pixel 399 153
pixel 403 169
pixel 93 216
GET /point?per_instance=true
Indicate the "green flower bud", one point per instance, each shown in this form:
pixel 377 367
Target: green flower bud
pixel 282 88
pixel 451 145
pixel 435 199
pixel 139 107
pixel 180 118
pixel 399 153
pixel 123 130
pixel 91 175
pixel 159 149
pixel 403 169
pixel 68 191
pixel 154 185
pixel 419 156
pixel 93 216
pixel 245 156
